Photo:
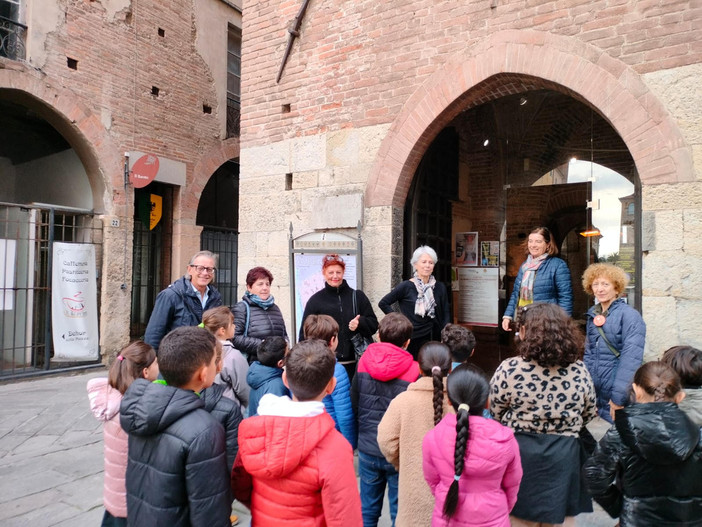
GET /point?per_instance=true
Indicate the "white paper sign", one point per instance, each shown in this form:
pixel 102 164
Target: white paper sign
pixel 8 250
pixel 478 297
pixel 74 316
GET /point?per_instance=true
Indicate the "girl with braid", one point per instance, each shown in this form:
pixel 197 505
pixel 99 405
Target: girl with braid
pixel 408 418
pixel 647 469
pixel 471 463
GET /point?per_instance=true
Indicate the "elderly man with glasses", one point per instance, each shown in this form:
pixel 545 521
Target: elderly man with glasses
pixel 184 301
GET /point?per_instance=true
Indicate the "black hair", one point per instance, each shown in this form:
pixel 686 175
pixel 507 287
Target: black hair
pixel 308 368
pixel 460 341
pixel 435 362
pixel 687 363
pixel 271 350
pixel 182 352
pixel 467 385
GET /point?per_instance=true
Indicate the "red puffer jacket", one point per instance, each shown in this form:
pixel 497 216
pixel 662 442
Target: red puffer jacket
pixel 296 471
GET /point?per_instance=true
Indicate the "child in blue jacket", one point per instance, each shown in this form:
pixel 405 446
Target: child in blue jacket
pixel 266 374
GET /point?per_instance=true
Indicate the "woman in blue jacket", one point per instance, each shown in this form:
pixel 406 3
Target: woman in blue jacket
pixel 541 278
pixel 615 338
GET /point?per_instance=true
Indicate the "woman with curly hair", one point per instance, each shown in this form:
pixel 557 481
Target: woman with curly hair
pixel 616 334
pixel 547 396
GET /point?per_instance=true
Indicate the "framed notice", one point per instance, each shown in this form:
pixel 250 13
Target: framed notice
pixel 490 254
pixel 466 249
pixel 478 296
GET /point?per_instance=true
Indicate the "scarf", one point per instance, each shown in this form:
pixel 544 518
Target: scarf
pixel 425 304
pixel 263 304
pixel 526 291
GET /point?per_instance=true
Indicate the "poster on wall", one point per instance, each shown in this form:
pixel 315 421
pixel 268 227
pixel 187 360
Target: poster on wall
pixel 478 296
pixel 490 254
pixel 8 250
pixel 74 316
pixel 309 279
pixel 466 249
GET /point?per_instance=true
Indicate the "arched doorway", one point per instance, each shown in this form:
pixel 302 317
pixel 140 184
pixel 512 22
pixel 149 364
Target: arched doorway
pixel 47 196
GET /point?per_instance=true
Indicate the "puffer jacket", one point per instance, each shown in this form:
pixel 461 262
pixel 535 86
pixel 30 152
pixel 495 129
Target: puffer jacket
pixel 337 302
pixel 262 380
pixel 551 285
pixel 648 467
pixel 489 483
pixel 228 414
pixel 302 468
pixel 177 468
pixel 692 404
pixel 233 375
pixel 338 406
pixel 262 323
pixel 626 332
pixel 383 372
pixel 176 306
pixel 104 403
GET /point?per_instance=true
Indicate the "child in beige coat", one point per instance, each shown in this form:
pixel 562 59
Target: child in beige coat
pixel 408 418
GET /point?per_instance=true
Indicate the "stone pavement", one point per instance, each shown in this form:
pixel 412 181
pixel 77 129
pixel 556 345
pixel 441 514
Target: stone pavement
pixel 51 457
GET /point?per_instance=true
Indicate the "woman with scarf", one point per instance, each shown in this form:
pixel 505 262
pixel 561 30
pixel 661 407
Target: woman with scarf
pixel 349 307
pixel 541 278
pixel 257 317
pixel 421 299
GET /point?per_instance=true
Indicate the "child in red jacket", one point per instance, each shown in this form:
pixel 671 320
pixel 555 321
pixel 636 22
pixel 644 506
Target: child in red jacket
pixel 294 468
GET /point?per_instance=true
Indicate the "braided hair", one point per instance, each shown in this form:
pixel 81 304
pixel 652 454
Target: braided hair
pixel 658 380
pixel 467 389
pixel 435 361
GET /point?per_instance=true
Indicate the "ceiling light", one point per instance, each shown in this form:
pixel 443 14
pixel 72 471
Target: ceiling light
pixel 486 142
pixel 522 101
pixel 591 232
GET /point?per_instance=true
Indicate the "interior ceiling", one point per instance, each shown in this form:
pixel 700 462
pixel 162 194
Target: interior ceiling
pixel 24 135
pixel 527 118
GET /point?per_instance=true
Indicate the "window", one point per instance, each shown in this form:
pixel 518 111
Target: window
pixel 233 80
pixel 12 32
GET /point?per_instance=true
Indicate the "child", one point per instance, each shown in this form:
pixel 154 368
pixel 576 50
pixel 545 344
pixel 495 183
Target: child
pixel 647 467
pixel 266 374
pixel 472 464
pixel 687 363
pixel 177 469
pixel 384 371
pixel 409 417
pixel 302 468
pixel 338 404
pixel 220 322
pixel 137 360
pixel 460 341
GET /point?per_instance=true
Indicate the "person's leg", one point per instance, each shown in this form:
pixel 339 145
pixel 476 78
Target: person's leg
pixel 392 477
pixel 113 521
pixel 372 488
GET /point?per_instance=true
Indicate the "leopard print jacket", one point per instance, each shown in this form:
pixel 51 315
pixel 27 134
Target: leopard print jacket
pixel 530 398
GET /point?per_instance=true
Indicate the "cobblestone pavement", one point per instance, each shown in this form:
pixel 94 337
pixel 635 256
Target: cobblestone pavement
pixel 51 457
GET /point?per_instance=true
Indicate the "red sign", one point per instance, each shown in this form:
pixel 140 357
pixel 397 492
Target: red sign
pixel 144 170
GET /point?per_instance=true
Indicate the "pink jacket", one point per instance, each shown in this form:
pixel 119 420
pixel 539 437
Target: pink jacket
pixel 104 403
pixel 488 487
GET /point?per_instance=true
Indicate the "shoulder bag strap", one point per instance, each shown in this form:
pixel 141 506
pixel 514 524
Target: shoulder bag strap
pixel 355 311
pixel 248 317
pixel 611 348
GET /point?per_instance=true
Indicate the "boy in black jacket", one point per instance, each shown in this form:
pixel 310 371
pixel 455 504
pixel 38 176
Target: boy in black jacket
pixel 177 468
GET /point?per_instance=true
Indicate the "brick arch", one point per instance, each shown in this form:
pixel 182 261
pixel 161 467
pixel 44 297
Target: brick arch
pixel 208 163
pixel 515 61
pixel 81 128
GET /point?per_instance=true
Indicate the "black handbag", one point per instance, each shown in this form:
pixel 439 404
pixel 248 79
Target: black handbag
pixel 358 341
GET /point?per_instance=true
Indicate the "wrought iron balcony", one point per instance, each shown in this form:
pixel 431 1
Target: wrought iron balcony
pixel 12 38
pixel 233 117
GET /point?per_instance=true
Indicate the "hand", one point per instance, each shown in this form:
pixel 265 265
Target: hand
pixel 353 325
pixel 506 324
pixel 613 408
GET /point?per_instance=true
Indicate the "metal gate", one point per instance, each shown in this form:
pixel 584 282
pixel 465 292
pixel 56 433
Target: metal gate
pixel 27 235
pixel 224 243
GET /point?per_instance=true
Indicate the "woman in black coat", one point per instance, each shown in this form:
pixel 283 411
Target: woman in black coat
pixel 648 467
pixel 349 307
pixel 421 299
pixel 256 316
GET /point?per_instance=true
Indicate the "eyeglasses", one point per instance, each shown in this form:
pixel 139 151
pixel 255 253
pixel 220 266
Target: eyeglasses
pixel 202 269
pixel 333 258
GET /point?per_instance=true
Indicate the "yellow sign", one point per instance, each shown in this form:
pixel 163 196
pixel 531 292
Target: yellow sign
pixel 156 209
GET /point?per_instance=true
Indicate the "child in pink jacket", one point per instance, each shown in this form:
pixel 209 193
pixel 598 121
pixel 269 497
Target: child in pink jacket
pixel 471 463
pixel 137 360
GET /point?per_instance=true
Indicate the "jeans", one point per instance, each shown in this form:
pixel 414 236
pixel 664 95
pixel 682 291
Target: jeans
pixel 375 472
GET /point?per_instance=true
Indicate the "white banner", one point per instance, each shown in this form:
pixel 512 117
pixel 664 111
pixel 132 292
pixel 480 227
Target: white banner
pixel 74 317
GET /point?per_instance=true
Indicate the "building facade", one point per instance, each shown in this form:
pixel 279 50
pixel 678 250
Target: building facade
pixel 426 119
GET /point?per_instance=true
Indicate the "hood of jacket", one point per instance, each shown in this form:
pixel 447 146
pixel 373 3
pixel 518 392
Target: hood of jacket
pixel 104 399
pixel 272 446
pixel 661 433
pixel 385 361
pixel 149 408
pixel 258 374
pixel 211 396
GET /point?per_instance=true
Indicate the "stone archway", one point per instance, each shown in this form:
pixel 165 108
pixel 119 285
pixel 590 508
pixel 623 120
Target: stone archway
pixel 514 61
pixel 81 128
